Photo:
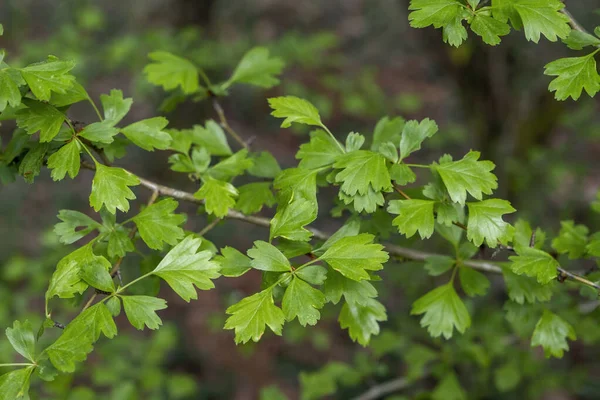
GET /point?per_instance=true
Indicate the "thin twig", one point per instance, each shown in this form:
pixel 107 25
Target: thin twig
pixel 209 227
pixel 573 22
pixel 225 124
pixel 384 388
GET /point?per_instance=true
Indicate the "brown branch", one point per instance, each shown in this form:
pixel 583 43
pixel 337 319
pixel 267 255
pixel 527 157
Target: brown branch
pixel 385 388
pixel 225 124
pixel 573 22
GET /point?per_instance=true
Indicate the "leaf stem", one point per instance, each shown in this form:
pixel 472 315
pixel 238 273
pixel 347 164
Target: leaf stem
pixel 87 151
pixel 225 124
pixel 95 108
pixel 334 138
pixel 204 78
pixel 18 365
pixel 418 166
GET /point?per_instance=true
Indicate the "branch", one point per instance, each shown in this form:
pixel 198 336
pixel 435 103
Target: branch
pixel 225 123
pixel 573 22
pixel 384 388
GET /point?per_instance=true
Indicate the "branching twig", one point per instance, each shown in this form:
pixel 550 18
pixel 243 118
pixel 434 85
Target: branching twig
pixel 573 22
pixel 225 123
pixel 384 388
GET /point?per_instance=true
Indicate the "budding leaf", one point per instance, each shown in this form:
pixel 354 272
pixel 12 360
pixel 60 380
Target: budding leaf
pixel 444 311
pixel 219 196
pixel 250 316
pixel 535 263
pixel 485 222
pixel 170 71
pixel 49 76
pixel 148 133
pixel 551 332
pixel 362 320
pixel 40 117
pixel 302 301
pixel 157 224
pixel 414 215
pixel 257 68
pixel 294 109
pixel 110 188
pixel 267 257
pixel 115 106
pixel 353 256
pixel 141 311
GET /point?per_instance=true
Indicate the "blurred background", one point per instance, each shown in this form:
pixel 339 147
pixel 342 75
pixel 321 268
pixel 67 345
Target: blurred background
pixel 357 61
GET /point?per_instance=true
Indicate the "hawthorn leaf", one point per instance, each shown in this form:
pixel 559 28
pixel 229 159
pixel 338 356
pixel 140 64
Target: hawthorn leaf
pixel 577 40
pixel 197 164
pixel 14 385
pixel 535 263
pixel 467 175
pixel 360 170
pixel 387 130
pixel 31 165
pixel 212 138
pixel 572 239
pixel 171 71
pixel 350 228
pixel 97 276
pixel 486 224
pixel 321 151
pixel 367 202
pixel 302 301
pixel 290 220
pixel 362 320
pixel 149 134
pixel 253 196
pixel 438 265
pixel 353 256
pixel 446 14
pixel 314 274
pixel 523 289
pixel 10 95
pixel 65 161
pixel 22 339
pixel 72 95
pixel 115 106
pixel 233 262
pixel 157 224
pixel 414 215
pixel 264 165
pixel 444 311
pixel 252 314
pixel 119 243
pixel 294 109
pixel 101 132
pixel 40 117
pixel 267 257
pixel 473 283
pixel 490 29
pixel 402 174
pixel 49 76
pixel 413 134
pixel 573 75
pixel 449 389
pixel 551 332
pixel 231 166
pixel 293 183
pixel 184 266
pixel 141 311
pixel 110 188
pixel 218 196
pixel 257 68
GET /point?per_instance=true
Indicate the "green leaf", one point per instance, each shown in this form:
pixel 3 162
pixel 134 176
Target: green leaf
pixel 388 150
pixel 467 175
pixel 265 165
pixel 490 29
pixel 446 14
pixel 438 265
pixel 101 132
pixel 31 164
pixel 170 71
pixel 65 161
pixel 402 174
pixel 79 336
pixel 22 339
pixel 290 219
pixel 119 243
pixel 354 292
pixel 577 40
pixel 40 117
pixel 68 231
pixel 507 376
pixel 523 289
pixel 14 385
pixel 485 222
pixel 449 389
pixel 110 188
pixel 157 224
pixel 362 320
pixel 212 138
pixel 218 196
pixel 141 311
pixel 473 283
pixel 9 90
pixel 314 274
pixel 148 133
pixel 551 332
pixel 49 76
pixel 115 106
pixel 267 257
pixel 414 133
pixel 302 301
pixel 573 74
pixel 367 202
pixel 353 256
pixel 444 311
pixel 360 170
pixel 253 196
pixel 257 68
pixel 66 280
pixel 414 215
pixel 72 95
pixel 183 267
pixel 572 239
pixel 233 262
pixel 231 166
pixel 294 109
pixel 387 130
pixel 297 182
pixel 350 228
pixel 535 263
pixel 250 316
pixel 354 141
pixel 322 150
pixel 197 164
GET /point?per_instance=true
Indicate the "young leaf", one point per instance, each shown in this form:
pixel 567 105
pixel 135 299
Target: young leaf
pixel 218 196
pixel 573 74
pixel 413 134
pixel 444 311
pixel 473 283
pixel 314 274
pixel 110 188
pixel 572 239
pixel 296 182
pixel 290 219
pixel 22 339
pixel 251 314
pixel 65 161
pixel 485 222
pixel 233 262
pixel 49 76
pixel 551 332
pixel 322 150
pixel 467 175
pixel 535 263
pixel 354 292
pixel 158 224
pixel 490 29
pixel 294 109
pixel 79 336
pixel 523 289
pixel 183 267
pixel 267 257
pixel 9 90
pixel 253 196
pixel 40 117
pixel 72 95
pixel 351 228
pixel 257 68
pixel 577 40
pixel 353 256
pixel 449 389
pixel 303 301
pixel 148 133
pixel 231 166
pixel 387 130
pixel 115 106
pixel 367 202
pixel 264 165
pixel 100 132
pixel 15 384
pixel 402 174
pixel 119 243
pixel 438 265
pixel 414 215
pixel 97 276
pixel 362 320
pixel 446 14
pixel 31 165
pixel 212 138
pixel 361 169
pixel 141 311
pixel 170 71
